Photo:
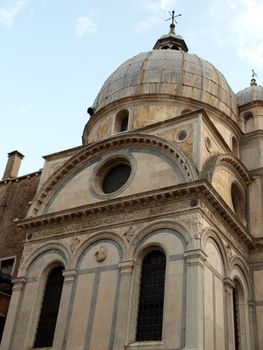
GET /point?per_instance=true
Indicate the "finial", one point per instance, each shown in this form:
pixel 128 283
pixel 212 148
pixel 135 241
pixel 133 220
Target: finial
pixel 172 25
pixel 253 80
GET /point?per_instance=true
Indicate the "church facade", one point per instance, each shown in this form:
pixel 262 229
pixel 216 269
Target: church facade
pixel 149 234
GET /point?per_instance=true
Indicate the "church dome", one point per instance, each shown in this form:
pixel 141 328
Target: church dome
pixel 252 93
pixel 171 71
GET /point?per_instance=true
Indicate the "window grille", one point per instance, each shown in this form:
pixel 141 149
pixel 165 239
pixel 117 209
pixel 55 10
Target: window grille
pixel 49 311
pixel 6 269
pixel 7 266
pixel 150 314
pixel 116 178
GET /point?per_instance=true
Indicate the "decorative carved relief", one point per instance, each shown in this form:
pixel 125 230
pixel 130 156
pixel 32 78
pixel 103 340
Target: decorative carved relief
pixel 75 242
pixel 129 234
pixel 193 222
pixel 229 252
pixel 228 234
pixel 101 254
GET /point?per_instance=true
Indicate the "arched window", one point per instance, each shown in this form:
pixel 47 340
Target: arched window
pixel 239 202
pixel 122 121
pixel 249 121
pixel 150 313
pixel 49 310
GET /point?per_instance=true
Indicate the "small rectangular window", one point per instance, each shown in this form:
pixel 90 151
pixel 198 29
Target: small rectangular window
pixel 6 266
pixel 6 270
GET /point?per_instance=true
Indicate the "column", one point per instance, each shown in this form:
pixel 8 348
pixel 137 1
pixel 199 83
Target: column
pixel 126 268
pixel 229 327
pixel 60 337
pixel 194 299
pixel 15 302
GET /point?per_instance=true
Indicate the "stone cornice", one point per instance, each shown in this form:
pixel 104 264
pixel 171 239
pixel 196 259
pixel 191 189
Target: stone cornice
pixel 20 178
pixel 258 243
pixel 256 172
pixel 200 188
pixel 251 135
pixel 248 105
pixel 159 98
pixel 184 117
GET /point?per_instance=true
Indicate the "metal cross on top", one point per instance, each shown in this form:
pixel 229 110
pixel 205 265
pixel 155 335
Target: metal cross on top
pixel 254 74
pixel 253 80
pixel 172 25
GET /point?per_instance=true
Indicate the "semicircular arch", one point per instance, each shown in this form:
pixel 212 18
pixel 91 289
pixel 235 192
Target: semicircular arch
pixel 42 258
pixel 99 238
pixel 230 161
pixel 90 152
pixel 212 236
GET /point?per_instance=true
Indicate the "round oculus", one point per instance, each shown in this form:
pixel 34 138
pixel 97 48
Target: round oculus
pixel 116 177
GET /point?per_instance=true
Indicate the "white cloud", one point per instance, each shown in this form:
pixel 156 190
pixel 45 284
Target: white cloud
pixel 242 20
pixel 154 8
pixel 148 24
pixel 8 13
pixel 85 25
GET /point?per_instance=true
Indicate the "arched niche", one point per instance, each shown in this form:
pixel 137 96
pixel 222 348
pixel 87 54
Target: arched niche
pixel 121 122
pixel 248 121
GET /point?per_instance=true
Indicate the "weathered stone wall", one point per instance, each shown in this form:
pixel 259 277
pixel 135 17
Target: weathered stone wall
pixel 15 196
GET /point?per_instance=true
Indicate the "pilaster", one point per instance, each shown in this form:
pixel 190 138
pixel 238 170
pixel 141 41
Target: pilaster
pixel 195 260
pixel 15 302
pixel 64 309
pixel 229 329
pixel 126 268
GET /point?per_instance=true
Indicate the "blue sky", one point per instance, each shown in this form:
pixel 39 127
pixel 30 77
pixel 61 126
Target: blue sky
pixel 56 54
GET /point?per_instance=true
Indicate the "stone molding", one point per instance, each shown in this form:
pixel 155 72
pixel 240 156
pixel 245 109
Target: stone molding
pixel 195 257
pixel 126 267
pixel 69 275
pixel 147 206
pixel 18 283
pixel 229 284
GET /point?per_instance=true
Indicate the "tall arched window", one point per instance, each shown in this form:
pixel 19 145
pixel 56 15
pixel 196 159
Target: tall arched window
pixel 150 313
pixel 49 310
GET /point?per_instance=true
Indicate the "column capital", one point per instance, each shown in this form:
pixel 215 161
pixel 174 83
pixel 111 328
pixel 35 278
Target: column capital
pixel 69 275
pixel 126 266
pixel 229 283
pixel 195 257
pixel 18 283
pixel 251 304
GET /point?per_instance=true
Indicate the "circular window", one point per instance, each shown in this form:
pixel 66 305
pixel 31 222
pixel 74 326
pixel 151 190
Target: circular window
pixel 116 177
pixel 181 135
